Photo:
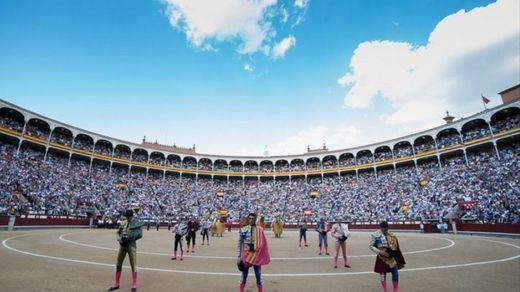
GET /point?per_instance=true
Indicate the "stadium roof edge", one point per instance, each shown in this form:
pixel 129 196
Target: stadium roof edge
pixel 303 156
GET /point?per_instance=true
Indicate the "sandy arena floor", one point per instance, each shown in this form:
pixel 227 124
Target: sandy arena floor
pixel 83 260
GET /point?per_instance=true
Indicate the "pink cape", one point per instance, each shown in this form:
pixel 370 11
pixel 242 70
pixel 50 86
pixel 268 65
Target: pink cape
pixel 261 255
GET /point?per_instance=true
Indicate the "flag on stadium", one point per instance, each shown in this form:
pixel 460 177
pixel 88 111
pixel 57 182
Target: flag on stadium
pixel 485 100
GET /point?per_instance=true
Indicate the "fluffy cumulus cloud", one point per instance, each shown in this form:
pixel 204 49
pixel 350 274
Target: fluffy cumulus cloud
pixel 467 53
pixel 301 3
pixel 283 46
pixel 249 68
pixel 338 137
pixel 248 24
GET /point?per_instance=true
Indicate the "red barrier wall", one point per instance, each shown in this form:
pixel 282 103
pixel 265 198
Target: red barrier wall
pixel 23 221
pixel 468 227
pixel 500 228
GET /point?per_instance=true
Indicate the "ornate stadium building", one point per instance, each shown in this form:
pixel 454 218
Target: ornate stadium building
pixel 466 169
pixel 490 129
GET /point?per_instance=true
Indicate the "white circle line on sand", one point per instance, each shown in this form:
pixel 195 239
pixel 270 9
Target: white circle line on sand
pixel 62 238
pixel 5 241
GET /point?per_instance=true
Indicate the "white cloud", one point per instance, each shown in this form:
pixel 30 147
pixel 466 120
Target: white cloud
pixel 301 3
pixel 283 46
pixel 247 24
pixel 341 137
pixel 468 53
pixel 285 15
pixel 248 67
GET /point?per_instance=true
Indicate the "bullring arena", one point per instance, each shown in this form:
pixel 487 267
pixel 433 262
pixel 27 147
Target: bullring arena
pixel 81 260
pixel 64 191
pixel 260 146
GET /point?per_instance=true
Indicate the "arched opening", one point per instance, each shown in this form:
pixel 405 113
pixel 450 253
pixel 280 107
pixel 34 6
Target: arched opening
pixel 481 155
pixel 189 162
pixel 281 165
pixel 154 175
pixel 364 157
pixel 157 158
pixel 251 166
pixel 80 162
pixel 11 119
pixel 100 167
pixel 330 161
pixel 205 164
pixel 406 169
pixel 314 181
pixel 452 159
pixel 220 164
pixel 32 151
pixel 385 172
pixel 219 182
pixel 119 170
pixel 509 147
pixel 266 166
pixel 122 152
pixel 103 147
pixel 58 157
pixel 172 177
pixel 297 164
pixel 383 153
pixel 428 164
pixel 83 142
pixel 505 120
pixel 313 163
pixel 267 179
pixel 423 144
pixel 403 149
pixel 475 129
pixel 236 165
pixel 61 136
pixel 8 145
pixel 38 128
pixel 173 160
pixel 347 159
pixel 137 173
pixel 447 138
pixel 366 176
pixel 140 155
pixel 330 176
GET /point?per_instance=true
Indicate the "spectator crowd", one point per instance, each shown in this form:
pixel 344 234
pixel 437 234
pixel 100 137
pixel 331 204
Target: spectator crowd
pixel 34 183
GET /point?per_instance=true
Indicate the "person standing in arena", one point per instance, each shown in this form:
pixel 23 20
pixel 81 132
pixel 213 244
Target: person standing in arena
pixel 303 233
pixel 322 228
pixel 341 233
pixel 389 258
pixel 253 250
pixel 193 227
pixel 180 230
pixel 206 225
pixel 127 235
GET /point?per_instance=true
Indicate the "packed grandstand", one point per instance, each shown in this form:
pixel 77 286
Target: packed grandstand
pixel 467 168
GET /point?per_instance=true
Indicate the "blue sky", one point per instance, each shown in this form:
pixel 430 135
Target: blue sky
pixel 175 70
